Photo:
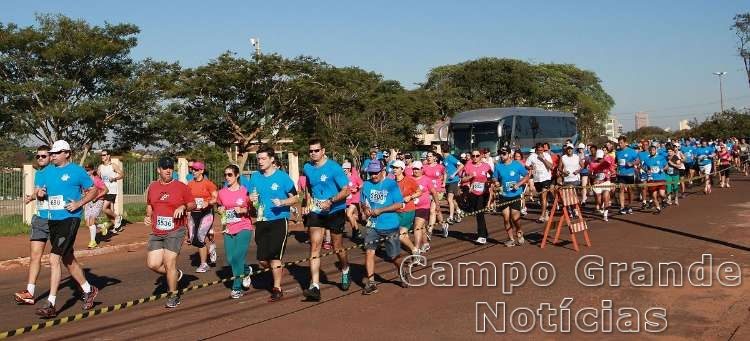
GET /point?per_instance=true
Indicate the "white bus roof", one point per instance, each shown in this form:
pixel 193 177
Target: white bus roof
pixel 495 114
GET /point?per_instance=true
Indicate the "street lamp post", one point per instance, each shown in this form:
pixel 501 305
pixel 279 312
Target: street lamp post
pixel 255 42
pixel 721 88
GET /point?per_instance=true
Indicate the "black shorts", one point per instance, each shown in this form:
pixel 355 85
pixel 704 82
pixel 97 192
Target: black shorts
pixel 626 179
pixel 541 186
pixel 724 170
pixel 62 235
pixel 423 213
pixel 334 221
pixel 270 237
pixel 110 197
pixel 682 172
pixel 513 202
pixel 452 188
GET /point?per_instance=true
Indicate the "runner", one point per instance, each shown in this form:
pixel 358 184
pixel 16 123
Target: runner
pixel 518 156
pixel 436 172
pixel 39 229
pixel 381 198
pixel 511 176
pixel 201 220
pixel 705 154
pixel 408 161
pixel 409 191
pixel 601 169
pixel 725 163
pixel 570 172
pixel 352 201
pixel 452 168
pixel 656 166
pixel 674 166
pixel 541 166
pixel 374 156
pixel 326 202
pixel 585 160
pixel 688 150
pixel 477 173
pixel 110 174
pixel 627 159
pixel 62 185
pixel 167 204
pixel 232 202
pixel 643 154
pixel 422 208
pixel 94 207
pixel 275 192
pixel 744 148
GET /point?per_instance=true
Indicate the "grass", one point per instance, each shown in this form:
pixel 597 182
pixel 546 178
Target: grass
pixel 12 225
pixel 134 212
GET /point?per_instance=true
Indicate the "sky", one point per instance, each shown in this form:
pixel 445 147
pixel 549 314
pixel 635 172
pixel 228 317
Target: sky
pixel 653 56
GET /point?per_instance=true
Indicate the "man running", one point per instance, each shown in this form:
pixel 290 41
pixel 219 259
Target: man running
pixel 409 191
pixel 626 161
pixel 705 154
pixel 381 198
pixel 541 166
pixel 167 205
pixel 510 175
pixel 656 165
pixel 62 186
pixel 201 218
pixel 477 173
pixel 39 229
pixel 274 190
pixel 452 168
pixel 110 174
pixel 326 201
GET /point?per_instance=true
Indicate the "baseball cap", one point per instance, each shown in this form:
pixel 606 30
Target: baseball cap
pixel 59 146
pixel 599 154
pixel 398 164
pixel 570 145
pixel 346 165
pixel 416 165
pixel 386 153
pixel 167 162
pixel 504 150
pixel 199 165
pixel 374 167
pixel 581 146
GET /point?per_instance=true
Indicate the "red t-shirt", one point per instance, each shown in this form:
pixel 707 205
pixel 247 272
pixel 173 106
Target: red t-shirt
pixel 202 191
pixel 408 187
pixel 164 199
pixel 481 173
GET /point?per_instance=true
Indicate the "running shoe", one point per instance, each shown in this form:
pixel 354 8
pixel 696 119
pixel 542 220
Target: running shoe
pixel 235 294
pixel 644 205
pixel 118 223
pixel 173 301
pixel 459 216
pixel 370 288
pixel 48 311
pixel 276 295
pixel 481 240
pixel 658 210
pixel 623 211
pixel 510 243
pixel 247 281
pixel 327 245
pixel 212 256
pixel 103 229
pixel 450 221
pixel 425 247
pixel 524 212
pixel 88 298
pixel 179 275
pixel 345 281
pixel 202 268
pixel 24 297
pixel 92 245
pixel 445 230
pixel 630 210
pixel 312 293
pixel 605 214
pixel 520 240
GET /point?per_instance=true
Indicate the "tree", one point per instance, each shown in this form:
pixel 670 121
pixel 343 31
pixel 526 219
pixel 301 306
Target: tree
pixel 66 79
pixel 742 28
pixel 648 133
pixel 732 122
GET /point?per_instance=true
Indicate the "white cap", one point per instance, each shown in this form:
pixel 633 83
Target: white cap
pixel 416 164
pixel 398 164
pixel 346 165
pixel 581 146
pixel 59 146
pixel 599 154
pixel 464 155
pixel 570 145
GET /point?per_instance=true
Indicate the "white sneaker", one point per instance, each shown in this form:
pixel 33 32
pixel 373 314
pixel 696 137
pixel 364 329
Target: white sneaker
pixel 481 241
pixel 202 268
pixel 212 253
pixel 425 247
pixel 605 213
pixel 520 240
pixel 247 281
pixel 445 230
pixel 523 211
pixel 118 222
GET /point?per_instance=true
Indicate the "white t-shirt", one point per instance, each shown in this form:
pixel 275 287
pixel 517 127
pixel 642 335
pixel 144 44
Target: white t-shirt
pixel 540 171
pixel 571 164
pixel 107 172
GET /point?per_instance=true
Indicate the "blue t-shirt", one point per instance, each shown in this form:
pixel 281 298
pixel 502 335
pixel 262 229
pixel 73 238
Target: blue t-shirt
pixel 704 155
pixel 451 166
pixel 625 159
pixel 655 167
pixel 324 183
pixel 379 195
pixel 689 152
pixel 64 184
pixel 42 206
pixel 276 186
pixel 508 175
pixel 365 164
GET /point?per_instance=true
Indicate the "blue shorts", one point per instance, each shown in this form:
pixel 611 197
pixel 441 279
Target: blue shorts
pixel 389 238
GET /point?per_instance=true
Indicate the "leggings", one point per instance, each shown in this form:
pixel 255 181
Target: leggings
pixel 235 246
pixel 200 224
pixel 478 203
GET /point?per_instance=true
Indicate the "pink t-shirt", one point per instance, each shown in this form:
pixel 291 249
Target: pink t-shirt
pixel 99 184
pixel 229 200
pixel 435 172
pixel 302 183
pixel 481 173
pixel 424 184
pixel 600 170
pixel 355 184
pixel 409 171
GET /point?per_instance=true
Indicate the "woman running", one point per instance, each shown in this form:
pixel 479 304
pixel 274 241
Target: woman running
pixel 352 201
pixel 202 218
pixel 725 163
pixel 600 168
pixel 94 207
pixel 237 228
pixel 674 168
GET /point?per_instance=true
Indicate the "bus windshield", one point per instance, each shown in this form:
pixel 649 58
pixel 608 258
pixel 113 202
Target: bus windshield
pixel 544 127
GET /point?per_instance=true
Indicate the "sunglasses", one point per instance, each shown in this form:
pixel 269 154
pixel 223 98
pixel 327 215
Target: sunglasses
pixel 312 151
pixel 373 173
pixel 475 155
pixel 41 157
pixel 105 154
pixel 228 175
pixel 416 169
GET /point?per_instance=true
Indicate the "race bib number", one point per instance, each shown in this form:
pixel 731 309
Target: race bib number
pixel 378 197
pixel 670 170
pixel 42 205
pixel 509 185
pixel 231 217
pixel 316 206
pixel 105 178
pixel 622 162
pixel 164 223
pixel 56 202
pixel 654 169
pixel 601 176
pixel 477 187
pixel 416 201
pixel 200 203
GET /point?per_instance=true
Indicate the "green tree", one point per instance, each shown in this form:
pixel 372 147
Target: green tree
pixel 66 79
pixel 731 122
pixel 648 133
pixel 741 27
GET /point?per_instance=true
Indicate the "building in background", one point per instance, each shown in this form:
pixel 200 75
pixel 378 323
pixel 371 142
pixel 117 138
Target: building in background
pixel 612 127
pixel 684 125
pixel 641 120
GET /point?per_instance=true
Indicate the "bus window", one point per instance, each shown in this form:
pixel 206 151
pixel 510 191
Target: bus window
pixel 462 138
pixel 485 135
pixel 544 127
pixel 506 131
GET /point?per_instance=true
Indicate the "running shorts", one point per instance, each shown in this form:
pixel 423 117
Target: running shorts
pixel 706 169
pixel 657 186
pixel 333 222
pixel 513 202
pixel 171 241
pixel 270 237
pixel 62 235
pixel 39 229
pixel 93 208
pixel 541 186
pixel 406 219
pixel 389 238
pixel 626 179
pixel 452 188
pixel 110 197
pixel 200 224
pixel 601 187
pixel 673 183
pixel 724 170
pixel 422 213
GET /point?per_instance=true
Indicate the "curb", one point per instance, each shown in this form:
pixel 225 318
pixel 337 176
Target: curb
pixel 24 261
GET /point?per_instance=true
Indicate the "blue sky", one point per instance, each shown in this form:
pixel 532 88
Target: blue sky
pixel 656 56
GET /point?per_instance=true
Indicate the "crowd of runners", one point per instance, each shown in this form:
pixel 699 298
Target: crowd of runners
pixel 393 202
